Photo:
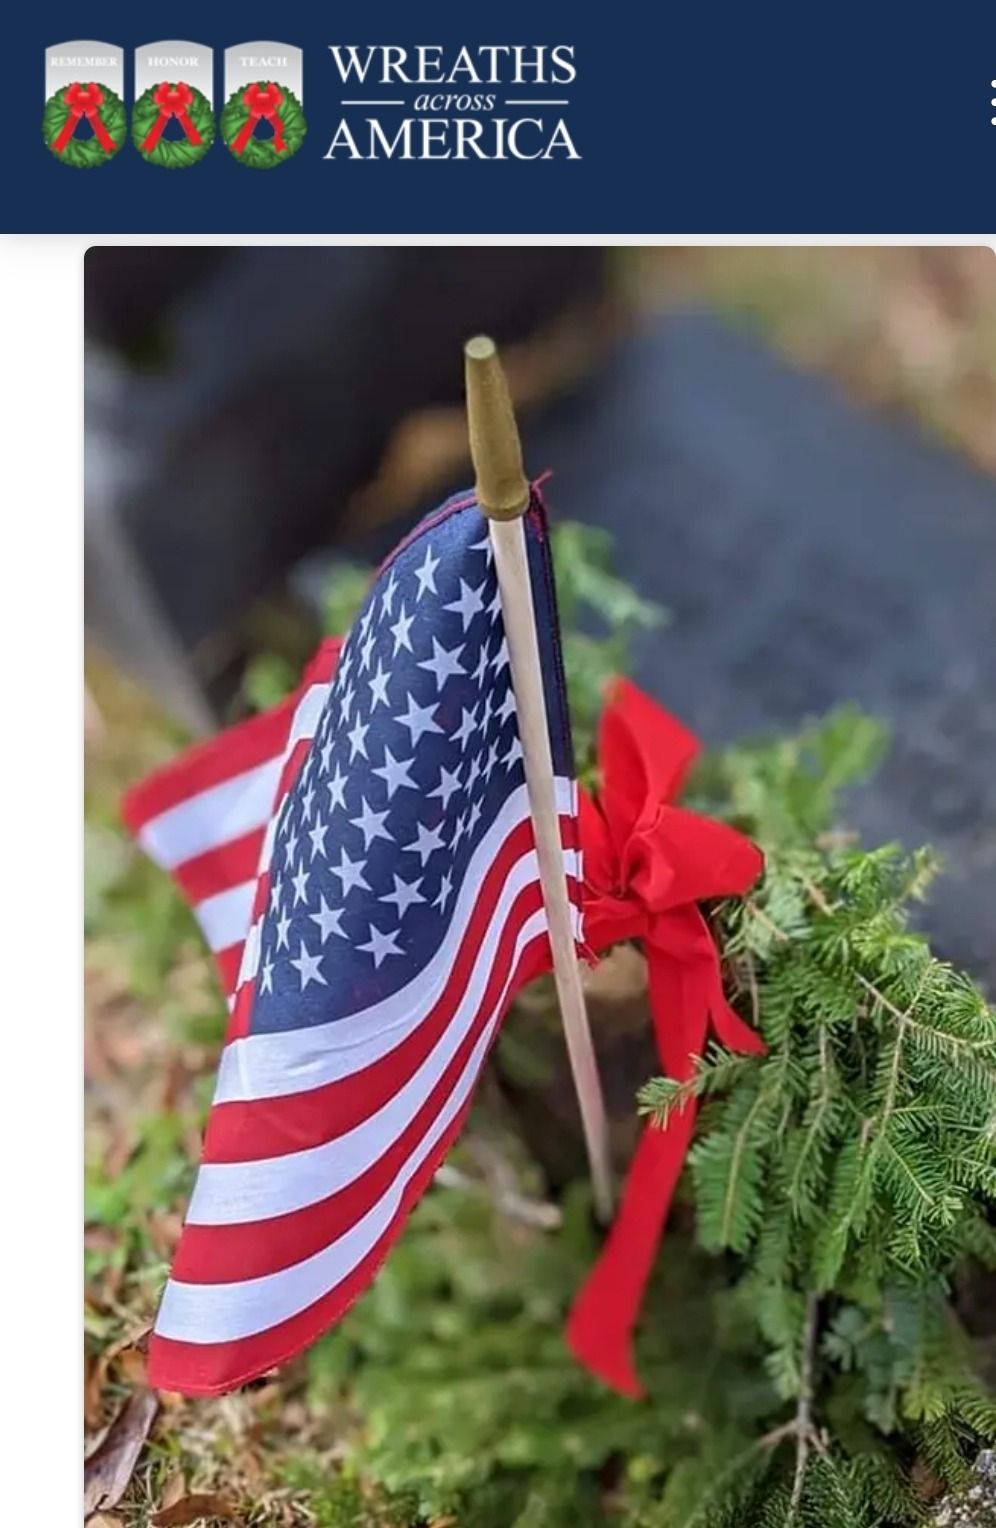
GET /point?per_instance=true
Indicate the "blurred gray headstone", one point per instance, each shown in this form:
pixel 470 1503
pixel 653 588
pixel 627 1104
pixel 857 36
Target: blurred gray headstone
pixel 811 551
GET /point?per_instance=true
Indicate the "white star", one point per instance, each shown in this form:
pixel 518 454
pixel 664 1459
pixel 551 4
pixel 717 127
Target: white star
pixel 483 546
pixel 475 816
pixel 460 828
pixel 500 659
pixel 404 895
pixel 378 687
pixel 482 664
pixel 491 761
pixel 418 719
pixel 400 631
pixel 309 967
pixel 275 891
pixel 317 836
pixel 426 575
pixel 327 756
pixel 337 788
pixel 428 841
pixel 370 824
pixel 346 703
pixel 366 651
pixel 507 706
pixel 283 927
pixel 365 620
pixel 380 945
pixel 266 980
pixel 306 804
pixel 350 873
pixel 467 727
pixel 290 848
pixel 329 920
pixel 300 883
pixel 494 603
pixel 468 604
pixel 514 752
pixel 443 663
pixel 389 593
pixel 445 888
pixel 449 781
pixel 356 739
pixel 395 772
pixel 474 772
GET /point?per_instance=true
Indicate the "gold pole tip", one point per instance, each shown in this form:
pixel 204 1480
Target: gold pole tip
pixel 481 348
pixel 501 487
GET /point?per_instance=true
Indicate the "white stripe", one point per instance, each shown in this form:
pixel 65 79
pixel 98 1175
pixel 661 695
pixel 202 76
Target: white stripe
pixel 238 805
pixel 225 918
pixel 266 1065
pixel 230 1193
pixel 208 1313
pixel 212 818
pixel 307 714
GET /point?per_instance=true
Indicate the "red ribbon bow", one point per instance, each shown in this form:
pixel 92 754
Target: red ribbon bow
pixel 261 101
pixel 647 864
pixel 173 101
pixel 84 101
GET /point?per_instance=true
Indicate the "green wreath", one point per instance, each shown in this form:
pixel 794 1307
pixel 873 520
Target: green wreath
pixel 66 109
pixel 158 106
pixel 263 101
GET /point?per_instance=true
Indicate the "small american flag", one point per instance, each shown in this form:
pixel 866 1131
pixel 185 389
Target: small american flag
pixel 362 861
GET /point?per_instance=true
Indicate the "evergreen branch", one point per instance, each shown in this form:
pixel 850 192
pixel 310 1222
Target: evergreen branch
pixel 812 1133
pixel 805 1436
pixel 739 1145
pixel 893 1085
pixel 956 1043
pixel 660 1097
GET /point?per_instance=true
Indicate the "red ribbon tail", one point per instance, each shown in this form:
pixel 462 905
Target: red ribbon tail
pixel 155 132
pixel 245 133
pixel 103 136
pixel 189 129
pixel 729 1026
pixel 66 132
pixel 605 1312
pixel 279 142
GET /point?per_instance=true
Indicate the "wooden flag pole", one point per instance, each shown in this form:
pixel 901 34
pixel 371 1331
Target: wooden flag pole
pixel 503 495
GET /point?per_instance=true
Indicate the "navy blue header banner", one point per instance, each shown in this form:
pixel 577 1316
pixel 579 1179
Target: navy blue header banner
pixel 513 118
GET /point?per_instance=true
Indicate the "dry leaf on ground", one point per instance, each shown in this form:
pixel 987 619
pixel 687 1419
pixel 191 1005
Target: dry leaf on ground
pixel 109 1468
pixel 127 1354
pixel 190 1508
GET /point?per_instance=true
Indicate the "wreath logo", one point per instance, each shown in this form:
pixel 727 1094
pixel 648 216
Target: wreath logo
pixel 101 110
pixel 263 124
pixel 157 109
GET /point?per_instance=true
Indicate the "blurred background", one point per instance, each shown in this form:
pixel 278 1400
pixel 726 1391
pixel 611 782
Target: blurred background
pixel 794 452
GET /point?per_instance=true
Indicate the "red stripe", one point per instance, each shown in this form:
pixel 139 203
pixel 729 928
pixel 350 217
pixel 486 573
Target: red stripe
pixel 212 1368
pixel 230 1253
pixel 221 868
pixel 229 960
pixel 232 752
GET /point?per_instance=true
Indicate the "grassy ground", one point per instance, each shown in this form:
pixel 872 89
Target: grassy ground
pixel 903 328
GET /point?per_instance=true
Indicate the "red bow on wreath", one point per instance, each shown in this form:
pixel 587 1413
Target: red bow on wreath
pixel 173 101
pixel 84 101
pixel 261 101
pixel 647 864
